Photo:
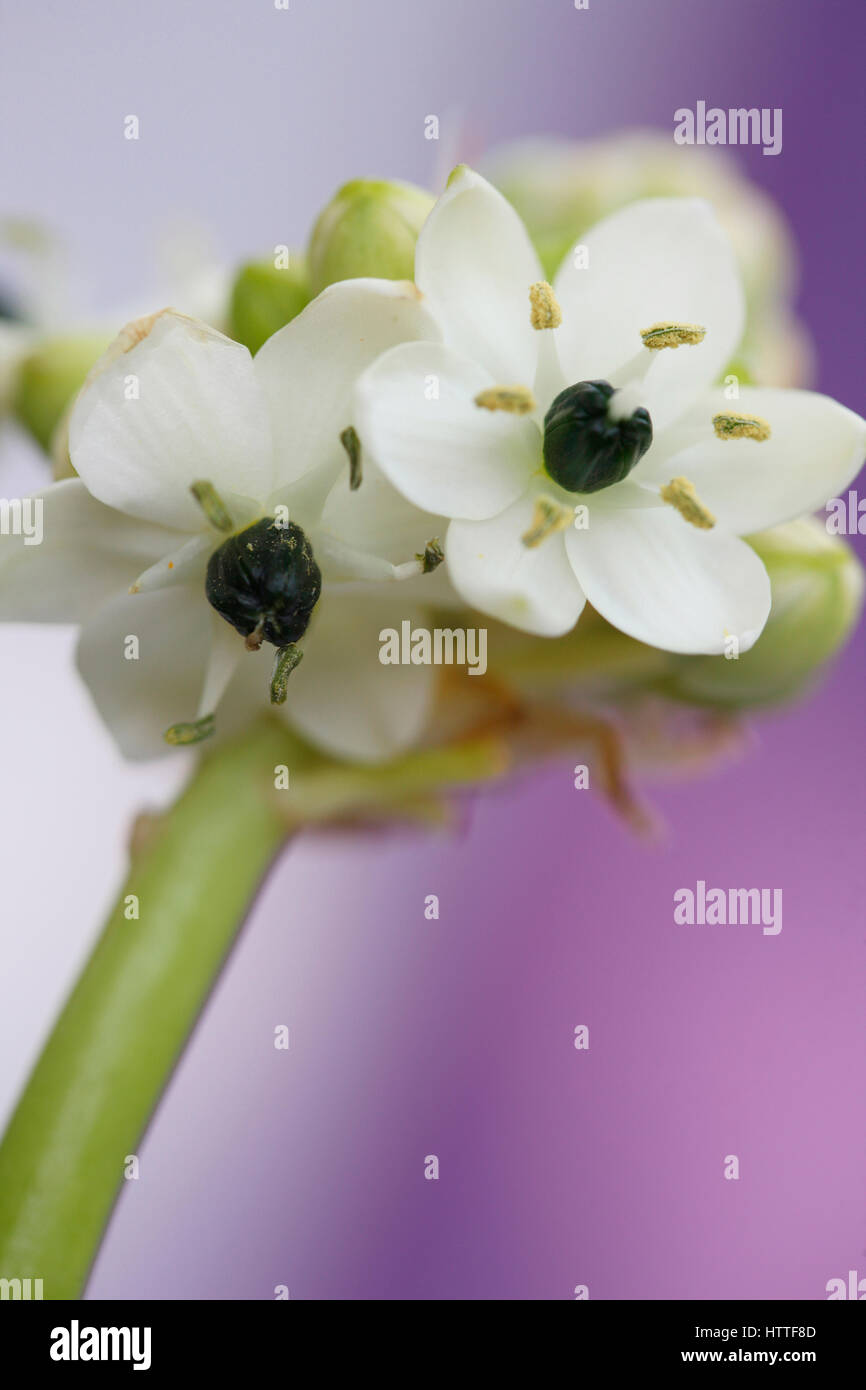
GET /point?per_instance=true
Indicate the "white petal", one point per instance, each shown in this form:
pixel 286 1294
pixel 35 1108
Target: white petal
pixel 341 698
pixel 666 583
pixel 475 263
pixel 658 260
pixel 308 369
pixel 87 552
pixel 416 415
pixel 184 565
pixel 814 450
pixel 377 519
pixel 140 698
pixel 194 412
pixel 532 589
pixel 226 651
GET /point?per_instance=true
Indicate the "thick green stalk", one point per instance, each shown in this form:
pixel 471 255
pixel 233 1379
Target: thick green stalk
pixel 107 1061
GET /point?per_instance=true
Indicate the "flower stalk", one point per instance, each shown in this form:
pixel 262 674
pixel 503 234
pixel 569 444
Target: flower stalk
pixel 114 1047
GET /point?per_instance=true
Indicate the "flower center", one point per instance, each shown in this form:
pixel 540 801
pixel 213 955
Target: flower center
pixel 586 445
pixel 265 582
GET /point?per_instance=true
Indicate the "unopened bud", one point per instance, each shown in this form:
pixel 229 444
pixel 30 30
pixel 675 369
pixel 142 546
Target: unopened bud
pixel 369 228
pixel 265 298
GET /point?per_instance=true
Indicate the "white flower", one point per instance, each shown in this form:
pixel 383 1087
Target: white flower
pixel 126 548
pixel 651 304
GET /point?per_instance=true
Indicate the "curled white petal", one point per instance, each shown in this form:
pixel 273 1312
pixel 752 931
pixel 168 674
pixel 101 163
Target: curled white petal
pixel 168 405
pixel 475 263
pixel 307 371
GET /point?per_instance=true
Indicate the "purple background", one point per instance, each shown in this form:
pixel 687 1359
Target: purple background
pixel 454 1037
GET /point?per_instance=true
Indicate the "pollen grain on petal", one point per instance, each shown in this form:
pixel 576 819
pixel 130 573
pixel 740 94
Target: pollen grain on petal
pixel 515 400
pixel 672 335
pixel 544 308
pixel 680 493
pixel 741 427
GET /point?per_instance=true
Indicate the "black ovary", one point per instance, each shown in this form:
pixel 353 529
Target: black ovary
pixel 265 580
pixel 584 450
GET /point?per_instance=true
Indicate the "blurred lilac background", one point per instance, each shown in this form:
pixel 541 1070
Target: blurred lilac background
pixel 455 1038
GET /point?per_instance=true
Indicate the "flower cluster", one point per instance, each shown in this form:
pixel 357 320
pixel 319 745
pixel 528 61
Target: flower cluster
pixel 564 444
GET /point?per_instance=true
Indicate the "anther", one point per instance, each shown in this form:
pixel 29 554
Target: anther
pixel 672 335
pixel 680 493
pixel 352 444
pixel 287 659
pixel 548 517
pixel 212 505
pixel 515 400
pixel 741 427
pixel 431 557
pixel 544 311
pixel 194 732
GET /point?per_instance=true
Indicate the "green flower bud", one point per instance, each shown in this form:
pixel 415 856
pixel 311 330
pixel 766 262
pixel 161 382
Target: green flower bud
pixel 265 298
pixel 49 377
pixel 818 587
pixel 369 228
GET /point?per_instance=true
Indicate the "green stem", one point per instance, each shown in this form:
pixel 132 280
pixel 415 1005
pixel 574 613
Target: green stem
pixel 88 1101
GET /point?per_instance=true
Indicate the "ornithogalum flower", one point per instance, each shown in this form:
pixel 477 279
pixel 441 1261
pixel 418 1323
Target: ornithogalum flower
pixel 574 433
pixel 212 520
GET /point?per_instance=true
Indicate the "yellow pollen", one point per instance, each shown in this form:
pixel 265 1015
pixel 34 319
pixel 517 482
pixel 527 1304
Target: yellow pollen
pixel 516 400
pixel 672 335
pixel 680 493
pixel 741 427
pixel 548 517
pixel 545 312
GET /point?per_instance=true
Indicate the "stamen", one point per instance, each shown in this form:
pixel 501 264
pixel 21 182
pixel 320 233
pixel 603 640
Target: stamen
pixel 672 335
pixel 212 505
pixel 516 400
pixel 545 312
pixel 680 493
pixel 352 444
pixel 254 639
pixel 348 566
pixel 195 732
pixel 432 556
pixel 741 427
pixel 548 517
pixel 286 660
